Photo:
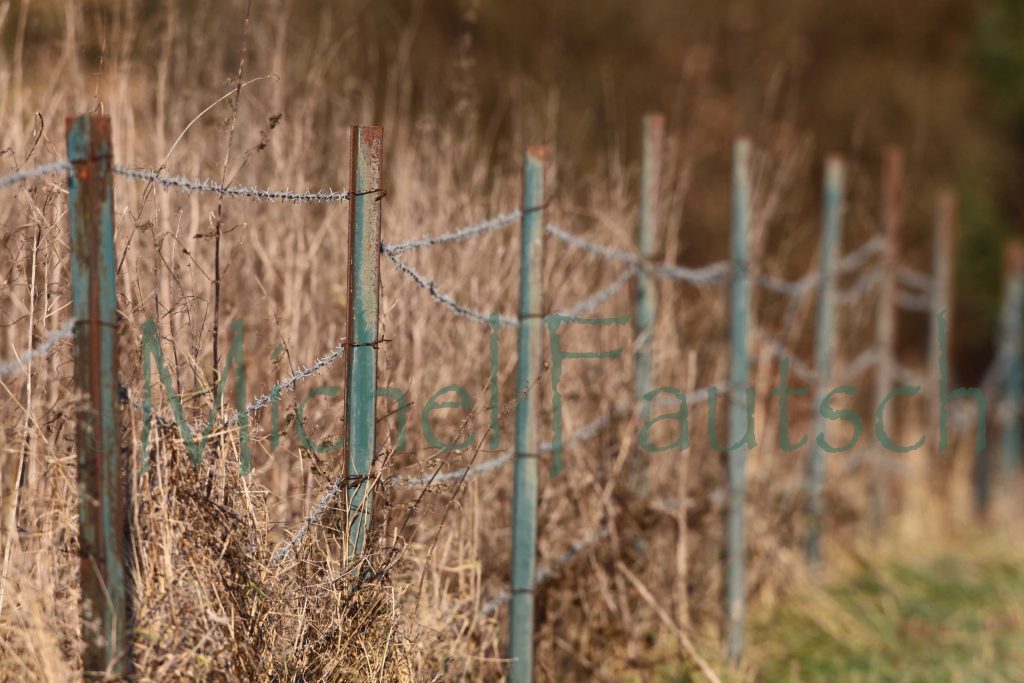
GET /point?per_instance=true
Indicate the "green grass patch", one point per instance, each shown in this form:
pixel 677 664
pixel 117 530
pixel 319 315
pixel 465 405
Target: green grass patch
pixel 953 616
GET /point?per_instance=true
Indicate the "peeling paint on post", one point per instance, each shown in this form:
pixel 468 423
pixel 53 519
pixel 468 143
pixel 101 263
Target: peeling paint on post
pixel 645 304
pixel 367 148
pixel 524 502
pixel 831 238
pixel 101 513
pixel 739 369
pixel 892 212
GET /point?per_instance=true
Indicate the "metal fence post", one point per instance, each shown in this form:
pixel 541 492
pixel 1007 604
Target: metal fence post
pixel 943 275
pixel 524 502
pixel 101 513
pixel 892 212
pixel 739 368
pixel 1013 391
pixel 831 238
pixel 367 149
pixel 645 303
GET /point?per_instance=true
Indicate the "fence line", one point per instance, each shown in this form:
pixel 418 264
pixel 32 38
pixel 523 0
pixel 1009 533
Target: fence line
pixel 55 336
pixel 918 294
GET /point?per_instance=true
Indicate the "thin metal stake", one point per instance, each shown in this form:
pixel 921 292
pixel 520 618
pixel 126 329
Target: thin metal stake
pixel 524 503
pixel 101 512
pixel 367 149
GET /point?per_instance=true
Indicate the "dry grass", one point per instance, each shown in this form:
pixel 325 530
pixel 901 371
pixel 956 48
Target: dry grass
pixel 209 603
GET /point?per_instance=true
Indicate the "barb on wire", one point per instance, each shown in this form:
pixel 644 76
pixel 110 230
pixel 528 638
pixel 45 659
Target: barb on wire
pixel 545 573
pixel 914 302
pixel 445 300
pixel 259 194
pixel 915 279
pixel 482 228
pixel 599 297
pixel 38 171
pixel 288 384
pixel 52 339
pixel 473 471
pixel 286 548
pixel 711 273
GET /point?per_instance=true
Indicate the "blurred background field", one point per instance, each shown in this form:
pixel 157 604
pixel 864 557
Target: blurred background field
pixel 462 86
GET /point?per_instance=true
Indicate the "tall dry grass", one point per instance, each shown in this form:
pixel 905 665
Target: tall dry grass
pixel 208 603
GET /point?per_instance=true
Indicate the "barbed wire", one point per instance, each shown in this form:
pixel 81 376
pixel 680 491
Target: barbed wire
pixel 585 306
pixel 473 471
pixel 867 281
pixel 847 264
pixel 779 351
pixel 51 340
pixel 709 274
pixel 861 255
pixel 544 573
pixel 482 228
pixel 915 279
pixel 914 302
pixel 286 548
pixel 863 361
pixel 447 301
pixel 600 296
pixel 288 384
pixel 259 194
pixel 38 171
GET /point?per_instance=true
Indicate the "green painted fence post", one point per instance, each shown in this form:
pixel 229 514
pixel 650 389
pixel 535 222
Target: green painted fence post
pixel 739 369
pixel 367 149
pixel 1013 380
pixel 892 212
pixel 101 511
pixel 524 502
pixel 645 304
pixel 824 340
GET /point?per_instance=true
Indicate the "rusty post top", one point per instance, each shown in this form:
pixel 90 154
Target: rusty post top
pixel 88 137
pixel 1013 256
pixel 894 157
pixel 539 152
pixel 655 119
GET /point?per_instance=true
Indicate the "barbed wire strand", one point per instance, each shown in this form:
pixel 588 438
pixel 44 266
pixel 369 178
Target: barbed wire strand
pixel 37 172
pixel 853 294
pixel 259 194
pixel 709 274
pixel 915 279
pixel 490 225
pixel 914 302
pixel 582 434
pixel 44 347
pixel 546 572
pixel 861 363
